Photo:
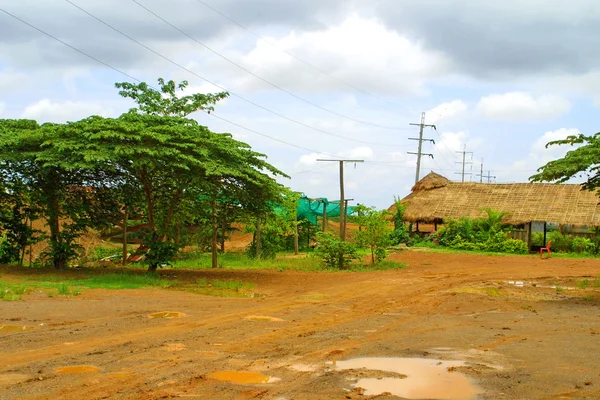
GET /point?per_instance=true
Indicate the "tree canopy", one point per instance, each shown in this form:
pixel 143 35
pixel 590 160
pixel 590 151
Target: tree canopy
pixel 582 161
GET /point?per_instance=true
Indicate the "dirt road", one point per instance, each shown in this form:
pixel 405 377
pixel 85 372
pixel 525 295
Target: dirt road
pixel 517 340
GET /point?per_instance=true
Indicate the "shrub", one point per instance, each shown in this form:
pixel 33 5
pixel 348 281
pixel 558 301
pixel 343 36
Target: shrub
pixel 514 246
pixel 333 252
pixel 583 245
pixel 560 243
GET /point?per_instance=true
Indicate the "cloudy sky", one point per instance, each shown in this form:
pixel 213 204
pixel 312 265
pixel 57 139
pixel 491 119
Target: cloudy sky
pixel 327 78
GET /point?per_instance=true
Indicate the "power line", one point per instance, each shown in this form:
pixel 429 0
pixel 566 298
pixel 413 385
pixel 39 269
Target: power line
pixel 69 46
pixel 293 55
pixel 260 77
pixel 221 87
pixel 138 80
pixel 464 162
pixel 419 153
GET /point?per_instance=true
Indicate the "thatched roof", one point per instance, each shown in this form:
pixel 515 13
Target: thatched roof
pixel 436 198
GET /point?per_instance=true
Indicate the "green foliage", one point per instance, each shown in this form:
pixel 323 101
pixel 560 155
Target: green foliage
pixel 375 231
pixel 487 234
pixel 333 252
pixel 101 252
pixel 400 233
pixel 582 161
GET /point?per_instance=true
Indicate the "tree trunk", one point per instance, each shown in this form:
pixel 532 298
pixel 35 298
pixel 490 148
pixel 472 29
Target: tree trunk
pixel 257 238
pixel 125 219
pixel 372 255
pixel 54 223
pixel 223 233
pixel 215 230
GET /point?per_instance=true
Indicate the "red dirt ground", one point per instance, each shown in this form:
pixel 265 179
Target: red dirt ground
pixel 529 342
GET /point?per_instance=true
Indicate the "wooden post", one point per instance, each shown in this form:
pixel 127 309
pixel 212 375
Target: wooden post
pixel 296 245
pixel 125 219
pixel 435 225
pixel 545 230
pixel 257 238
pixel 324 216
pixel 417 227
pixel 528 228
pixel 342 203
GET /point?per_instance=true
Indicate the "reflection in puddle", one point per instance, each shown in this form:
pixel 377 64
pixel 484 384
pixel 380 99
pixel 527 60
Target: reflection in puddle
pixel 535 284
pixel 166 314
pixel 242 377
pixel 15 328
pixel 425 378
pixel 77 369
pixel 13 379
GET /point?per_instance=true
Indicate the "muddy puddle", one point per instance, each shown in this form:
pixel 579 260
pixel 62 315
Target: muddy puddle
pixel 263 318
pixel 15 328
pixel 537 285
pixel 411 378
pixel 77 369
pixel 166 314
pixel 13 379
pixel 242 377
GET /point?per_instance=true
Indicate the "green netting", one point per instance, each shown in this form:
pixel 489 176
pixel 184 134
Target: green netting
pixel 310 209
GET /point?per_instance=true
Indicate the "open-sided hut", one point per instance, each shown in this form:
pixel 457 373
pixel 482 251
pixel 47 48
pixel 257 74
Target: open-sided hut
pixel 435 199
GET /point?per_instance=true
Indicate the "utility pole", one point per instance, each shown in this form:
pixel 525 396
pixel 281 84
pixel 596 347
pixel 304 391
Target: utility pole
pixel 489 177
pixel 464 162
pixel 419 153
pixel 480 174
pixel 342 202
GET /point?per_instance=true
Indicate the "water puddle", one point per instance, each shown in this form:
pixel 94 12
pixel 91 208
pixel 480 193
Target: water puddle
pixel 15 328
pixel 13 379
pixel 537 285
pixel 424 378
pixel 263 318
pixel 77 369
pixel 242 377
pixel 166 314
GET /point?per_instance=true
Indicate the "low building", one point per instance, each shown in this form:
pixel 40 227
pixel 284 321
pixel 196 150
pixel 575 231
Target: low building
pixel 435 199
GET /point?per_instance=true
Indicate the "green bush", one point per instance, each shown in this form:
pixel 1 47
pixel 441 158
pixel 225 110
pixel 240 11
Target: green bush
pixel 333 252
pixel 100 252
pixel 514 246
pixel 537 239
pixel 560 243
pixel 583 245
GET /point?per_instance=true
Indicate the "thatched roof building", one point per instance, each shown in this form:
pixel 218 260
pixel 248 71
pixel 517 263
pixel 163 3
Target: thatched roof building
pixel 435 199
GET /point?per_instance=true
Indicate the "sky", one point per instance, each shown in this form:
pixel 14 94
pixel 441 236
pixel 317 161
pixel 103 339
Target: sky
pixel 335 79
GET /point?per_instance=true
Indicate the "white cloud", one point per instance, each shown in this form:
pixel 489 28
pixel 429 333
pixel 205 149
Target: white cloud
pixel 48 111
pixel 446 111
pixel 539 155
pixel 11 80
pixel 2 107
pixel 361 51
pixel 586 84
pixel 522 106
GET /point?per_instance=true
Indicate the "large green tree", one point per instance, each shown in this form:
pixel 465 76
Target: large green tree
pixel 49 166
pixel 582 161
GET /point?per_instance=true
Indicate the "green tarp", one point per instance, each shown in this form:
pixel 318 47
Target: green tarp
pixel 310 209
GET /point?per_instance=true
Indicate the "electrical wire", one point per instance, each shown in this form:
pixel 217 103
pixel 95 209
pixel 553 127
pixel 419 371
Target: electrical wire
pixel 293 55
pixel 138 80
pixel 260 77
pixel 222 88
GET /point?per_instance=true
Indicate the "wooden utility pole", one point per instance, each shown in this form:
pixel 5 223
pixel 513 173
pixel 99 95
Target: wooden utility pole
pixel 464 162
pixel 342 203
pixel 419 153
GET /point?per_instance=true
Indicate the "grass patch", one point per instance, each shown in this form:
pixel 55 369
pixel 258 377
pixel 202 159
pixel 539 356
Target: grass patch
pixel 583 284
pixel 283 262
